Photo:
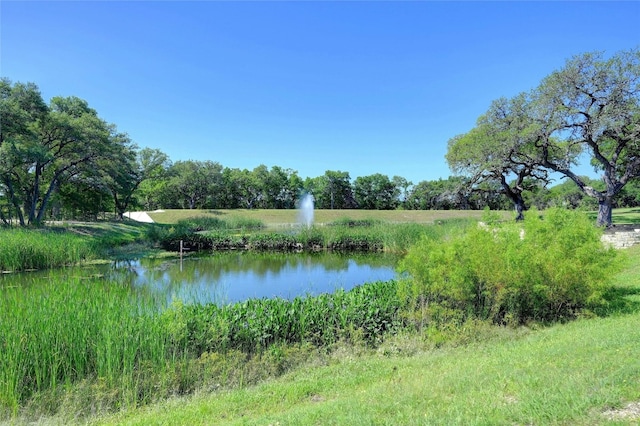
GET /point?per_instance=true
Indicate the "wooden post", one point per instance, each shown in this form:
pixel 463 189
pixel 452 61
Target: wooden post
pixel 181 249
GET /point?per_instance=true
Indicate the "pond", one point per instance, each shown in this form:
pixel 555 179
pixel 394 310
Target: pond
pixel 229 277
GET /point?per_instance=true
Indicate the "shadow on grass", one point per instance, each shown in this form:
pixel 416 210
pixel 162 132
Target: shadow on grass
pixel 620 301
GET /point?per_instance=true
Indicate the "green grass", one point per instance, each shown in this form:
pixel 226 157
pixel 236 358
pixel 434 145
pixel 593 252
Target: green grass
pixel 60 332
pixel 23 249
pixel 621 216
pixel 276 218
pixel 279 218
pixel 566 374
pixel 70 244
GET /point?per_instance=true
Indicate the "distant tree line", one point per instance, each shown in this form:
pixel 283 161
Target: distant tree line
pixel 62 161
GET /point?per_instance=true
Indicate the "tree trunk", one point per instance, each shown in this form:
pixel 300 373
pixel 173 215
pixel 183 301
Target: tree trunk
pixel 14 200
pixel 519 204
pixel 515 195
pixel 45 200
pixel 605 207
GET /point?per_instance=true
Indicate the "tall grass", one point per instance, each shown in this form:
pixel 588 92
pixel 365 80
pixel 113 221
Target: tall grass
pixel 67 337
pixel 343 235
pixel 62 332
pixel 23 249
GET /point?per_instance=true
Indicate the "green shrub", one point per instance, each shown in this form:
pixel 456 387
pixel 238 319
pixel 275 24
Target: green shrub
pixel 244 224
pixel 272 241
pixel 545 269
pixel 208 223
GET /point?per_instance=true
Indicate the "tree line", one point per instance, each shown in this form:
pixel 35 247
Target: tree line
pixel 62 161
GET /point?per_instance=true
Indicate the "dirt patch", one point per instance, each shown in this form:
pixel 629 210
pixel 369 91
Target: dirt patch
pixel 629 412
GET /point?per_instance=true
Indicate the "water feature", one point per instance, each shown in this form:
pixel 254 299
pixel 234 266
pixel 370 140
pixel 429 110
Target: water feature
pixel 229 277
pixel 305 212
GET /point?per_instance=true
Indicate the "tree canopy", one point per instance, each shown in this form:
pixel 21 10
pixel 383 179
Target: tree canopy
pixel 43 146
pixel 590 107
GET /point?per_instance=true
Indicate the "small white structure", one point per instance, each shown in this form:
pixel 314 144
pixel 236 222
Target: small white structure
pixel 139 216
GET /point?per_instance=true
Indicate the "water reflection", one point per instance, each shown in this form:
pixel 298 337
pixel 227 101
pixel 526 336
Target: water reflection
pixel 229 277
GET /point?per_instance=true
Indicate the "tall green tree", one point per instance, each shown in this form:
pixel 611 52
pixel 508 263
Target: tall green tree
pixel 332 190
pixel 589 108
pixel 499 151
pixel 283 187
pixel 193 184
pixel 125 177
pixel 403 185
pixel 376 192
pixel 442 194
pixel 47 146
pixel 21 110
pixel 592 106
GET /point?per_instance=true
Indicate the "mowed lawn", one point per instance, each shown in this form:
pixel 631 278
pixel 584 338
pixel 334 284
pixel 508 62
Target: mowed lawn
pixel 273 217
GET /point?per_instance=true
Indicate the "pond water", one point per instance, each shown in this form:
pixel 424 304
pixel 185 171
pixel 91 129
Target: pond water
pixel 229 277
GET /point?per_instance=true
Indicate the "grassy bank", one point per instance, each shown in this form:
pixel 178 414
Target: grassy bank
pixel 81 346
pixel 58 333
pixel 23 249
pixel 204 233
pixel 70 244
pixel 580 373
pixel 569 374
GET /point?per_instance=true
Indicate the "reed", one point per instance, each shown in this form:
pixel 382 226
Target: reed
pixel 58 333
pixel 23 249
pixel 62 338
pixel 343 235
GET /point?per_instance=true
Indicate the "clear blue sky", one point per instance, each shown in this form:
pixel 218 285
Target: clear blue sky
pixel 362 87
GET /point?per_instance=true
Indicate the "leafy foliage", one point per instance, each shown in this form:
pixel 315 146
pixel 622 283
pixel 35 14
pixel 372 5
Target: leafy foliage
pixel 549 269
pixel 591 106
pixel 367 311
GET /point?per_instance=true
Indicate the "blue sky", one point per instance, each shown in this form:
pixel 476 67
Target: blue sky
pixel 362 87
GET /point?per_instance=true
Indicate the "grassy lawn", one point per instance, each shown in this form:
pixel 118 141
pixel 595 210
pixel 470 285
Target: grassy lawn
pixel 581 373
pixel 272 217
pixel 631 215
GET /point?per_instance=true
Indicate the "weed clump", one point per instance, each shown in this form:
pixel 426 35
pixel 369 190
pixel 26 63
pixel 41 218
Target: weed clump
pixel 543 270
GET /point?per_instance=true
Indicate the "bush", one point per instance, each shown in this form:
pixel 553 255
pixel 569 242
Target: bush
pixel 545 269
